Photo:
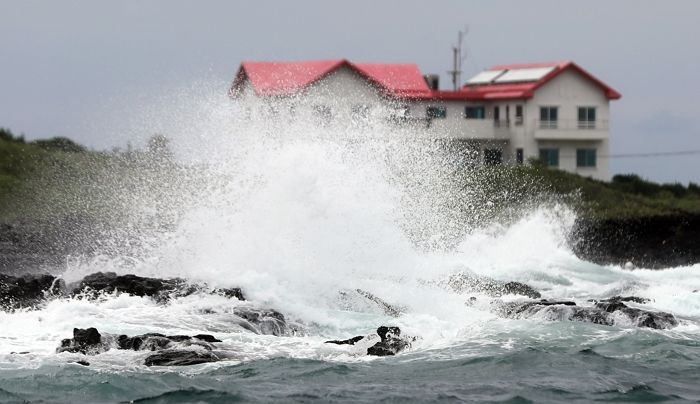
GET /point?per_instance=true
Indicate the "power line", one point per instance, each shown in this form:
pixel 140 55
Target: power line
pixel 654 154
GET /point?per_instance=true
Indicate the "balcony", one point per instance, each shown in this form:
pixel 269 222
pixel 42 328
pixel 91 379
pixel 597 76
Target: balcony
pixel 571 129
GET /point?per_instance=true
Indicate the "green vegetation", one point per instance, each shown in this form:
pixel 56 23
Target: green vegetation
pixel 625 196
pixel 60 177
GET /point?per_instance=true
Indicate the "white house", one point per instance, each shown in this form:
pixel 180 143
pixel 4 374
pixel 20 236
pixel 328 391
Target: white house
pixel 556 112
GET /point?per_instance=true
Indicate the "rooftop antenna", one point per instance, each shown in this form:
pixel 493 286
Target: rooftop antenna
pixel 457 59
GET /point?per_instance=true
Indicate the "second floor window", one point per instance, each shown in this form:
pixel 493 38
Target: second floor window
pixel 436 112
pixel 549 117
pixel 360 114
pixel 518 114
pixel 323 114
pixel 478 112
pixel 586 117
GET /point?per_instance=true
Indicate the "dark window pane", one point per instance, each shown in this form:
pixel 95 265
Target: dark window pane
pixel 436 112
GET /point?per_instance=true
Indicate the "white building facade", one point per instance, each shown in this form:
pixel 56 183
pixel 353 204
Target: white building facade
pixel 555 112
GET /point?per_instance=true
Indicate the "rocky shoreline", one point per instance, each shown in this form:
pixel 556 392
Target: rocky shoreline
pixel 31 292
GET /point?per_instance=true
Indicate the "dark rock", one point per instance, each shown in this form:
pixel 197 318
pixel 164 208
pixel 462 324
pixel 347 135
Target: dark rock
pixel 518 288
pixel 110 282
pixel 230 293
pixel 262 321
pixel 84 363
pixel 156 342
pixel 603 312
pixel 179 358
pixel 390 343
pixel 160 289
pixel 634 299
pixel 660 241
pixel 27 290
pixel 86 341
pixel 464 282
pixel 388 309
pixel 349 341
pixel 206 338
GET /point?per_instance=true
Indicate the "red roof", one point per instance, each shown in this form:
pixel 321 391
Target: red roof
pixel 500 91
pixel 395 80
pixel 286 78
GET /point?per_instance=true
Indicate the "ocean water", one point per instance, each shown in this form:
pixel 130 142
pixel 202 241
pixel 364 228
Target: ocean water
pixel 296 215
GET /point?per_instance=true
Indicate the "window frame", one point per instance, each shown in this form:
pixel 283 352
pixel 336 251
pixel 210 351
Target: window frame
pixel 433 115
pixel 548 122
pixel 481 108
pixel 587 123
pixel 549 151
pixel 583 157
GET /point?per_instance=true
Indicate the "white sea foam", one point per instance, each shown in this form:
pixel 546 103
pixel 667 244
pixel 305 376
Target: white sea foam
pixel 294 215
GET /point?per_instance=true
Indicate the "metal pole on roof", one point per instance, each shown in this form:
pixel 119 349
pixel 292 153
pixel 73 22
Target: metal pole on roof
pixel 457 59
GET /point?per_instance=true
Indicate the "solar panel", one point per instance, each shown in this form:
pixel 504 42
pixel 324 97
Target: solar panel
pixel 529 74
pixel 485 77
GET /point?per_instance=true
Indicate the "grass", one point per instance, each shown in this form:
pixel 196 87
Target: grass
pixel 59 177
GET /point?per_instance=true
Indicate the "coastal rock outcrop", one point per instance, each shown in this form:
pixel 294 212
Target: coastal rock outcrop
pixel 177 357
pixel 31 290
pixel 172 350
pixel 85 341
pixel 605 312
pixel 390 341
pixel 28 290
pixel 465 282
pixel 157 288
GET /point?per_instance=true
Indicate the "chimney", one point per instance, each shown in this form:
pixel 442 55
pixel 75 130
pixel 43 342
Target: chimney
pixel 433 81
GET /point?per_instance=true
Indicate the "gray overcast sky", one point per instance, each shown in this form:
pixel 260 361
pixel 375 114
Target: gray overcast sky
pixel 64 63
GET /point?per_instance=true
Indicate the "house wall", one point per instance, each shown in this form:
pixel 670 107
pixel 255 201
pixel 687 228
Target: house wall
pixel 344 88
pixel 568 91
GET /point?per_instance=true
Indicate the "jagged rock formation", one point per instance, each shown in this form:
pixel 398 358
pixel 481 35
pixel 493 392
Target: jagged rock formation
pixel 609 312
pixel 463 282
pixel 171 349
pixel 390 342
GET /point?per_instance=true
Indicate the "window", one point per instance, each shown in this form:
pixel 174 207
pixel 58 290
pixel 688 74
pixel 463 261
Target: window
pixel 518 115
pixel 519 156
pixel 436 112
pixel 549 117
pixel 586 117
pixel 585 157
pixel 493 157
pixel 550 157
pixel 477 112
pixel 323 114
pixel 360 114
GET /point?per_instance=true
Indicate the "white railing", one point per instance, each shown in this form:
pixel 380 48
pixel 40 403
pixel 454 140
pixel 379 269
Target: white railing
pixel 571 124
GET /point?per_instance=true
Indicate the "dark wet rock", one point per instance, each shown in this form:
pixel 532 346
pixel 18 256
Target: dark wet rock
pixel 28 290
pixel 90 342
pixel 464 282
pixel 160 289
pixel 155 341
pixel 609 312
pixel 518 288
pixel 206 338
pixel 633 299
pixel 135 285
pixel 391 342
pixel 176 357
pixel 86 341
pixel 229 292
pixel 349 341
pixel 81 362
pixel 387 308
pixel 262 321
pixel 660 241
